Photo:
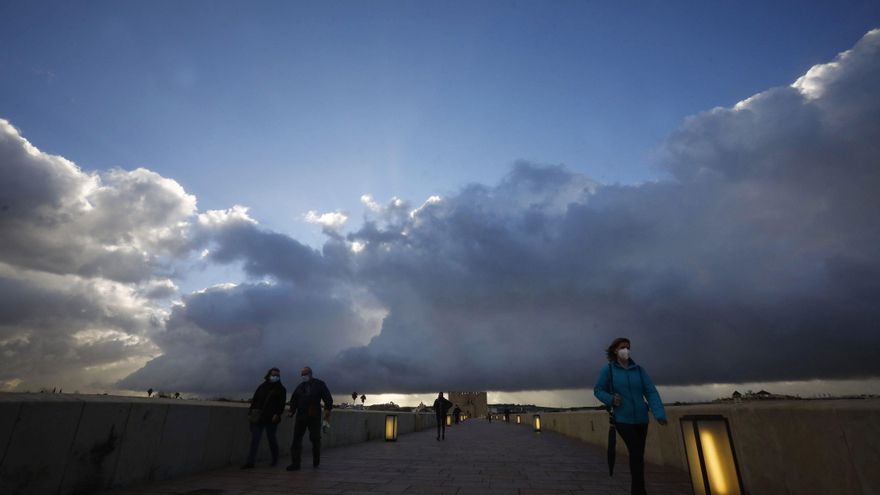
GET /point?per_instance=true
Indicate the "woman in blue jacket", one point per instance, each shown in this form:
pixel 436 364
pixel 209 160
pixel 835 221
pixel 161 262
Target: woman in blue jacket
pixel 623 386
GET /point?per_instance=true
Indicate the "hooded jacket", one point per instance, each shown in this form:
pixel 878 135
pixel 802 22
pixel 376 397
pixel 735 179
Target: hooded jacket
pixel 634 386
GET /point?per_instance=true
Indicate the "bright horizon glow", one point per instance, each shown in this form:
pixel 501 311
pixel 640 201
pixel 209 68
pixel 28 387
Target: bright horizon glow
pixel 808 389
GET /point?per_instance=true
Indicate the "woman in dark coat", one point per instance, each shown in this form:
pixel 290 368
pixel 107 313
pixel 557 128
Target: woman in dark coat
pixel 267 405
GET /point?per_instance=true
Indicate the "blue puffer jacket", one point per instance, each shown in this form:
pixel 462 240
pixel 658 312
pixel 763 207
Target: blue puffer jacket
pixel 634 386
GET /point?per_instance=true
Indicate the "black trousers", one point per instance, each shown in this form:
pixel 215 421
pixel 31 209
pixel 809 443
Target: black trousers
pixel 299 431
pixel 634 436
pixel 256 433
pixel 441 426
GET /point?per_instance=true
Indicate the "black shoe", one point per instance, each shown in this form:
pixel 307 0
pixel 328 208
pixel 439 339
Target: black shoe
pixel 292 467
pixel 438 438
pixel 274 462
pixel 247 465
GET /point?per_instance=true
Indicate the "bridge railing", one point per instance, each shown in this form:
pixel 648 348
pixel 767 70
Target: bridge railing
pixel 63 444
pixel 783 447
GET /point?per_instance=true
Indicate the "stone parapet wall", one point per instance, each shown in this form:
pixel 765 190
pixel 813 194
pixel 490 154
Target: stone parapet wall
pixel 784 447
pixel 67 444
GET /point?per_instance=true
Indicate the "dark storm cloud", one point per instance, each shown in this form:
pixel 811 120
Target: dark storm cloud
pixel 222 340
pixel 755 259
pixel 70 332
pixel 232 236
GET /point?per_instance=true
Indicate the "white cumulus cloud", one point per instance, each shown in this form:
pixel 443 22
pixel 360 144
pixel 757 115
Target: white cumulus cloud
pixel 330 220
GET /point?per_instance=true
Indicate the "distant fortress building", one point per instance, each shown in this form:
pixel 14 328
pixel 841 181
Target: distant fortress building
pixel 473 404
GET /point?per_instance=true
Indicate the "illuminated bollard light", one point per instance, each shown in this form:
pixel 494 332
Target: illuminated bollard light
pixel 538 423
pixel 448 420
pixel 710 454
pixel 518 419
pixel 390 427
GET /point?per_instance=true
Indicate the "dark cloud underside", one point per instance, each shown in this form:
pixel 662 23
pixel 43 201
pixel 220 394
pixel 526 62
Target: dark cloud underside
pixel 755 260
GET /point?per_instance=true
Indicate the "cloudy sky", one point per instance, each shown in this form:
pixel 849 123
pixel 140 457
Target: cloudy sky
pixel 412 197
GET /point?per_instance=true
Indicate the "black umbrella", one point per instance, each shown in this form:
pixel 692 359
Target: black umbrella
pixel 612 429
pixel 612 446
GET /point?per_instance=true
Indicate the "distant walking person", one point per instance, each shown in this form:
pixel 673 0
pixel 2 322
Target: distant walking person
pixel 267 406
pixel 305 402
pixel 441 405
pixel 623 386
pixel 456 414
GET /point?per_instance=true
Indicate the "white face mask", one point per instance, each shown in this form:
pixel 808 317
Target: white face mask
pixel 306 378
pixel 623 353
pixel 274 379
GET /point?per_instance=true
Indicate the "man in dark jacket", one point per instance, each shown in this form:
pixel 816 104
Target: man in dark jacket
pixel 305 402
pixel 441 405
pixel 456 415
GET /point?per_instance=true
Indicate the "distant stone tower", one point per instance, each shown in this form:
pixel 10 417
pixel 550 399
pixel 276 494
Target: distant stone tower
pixel 474 404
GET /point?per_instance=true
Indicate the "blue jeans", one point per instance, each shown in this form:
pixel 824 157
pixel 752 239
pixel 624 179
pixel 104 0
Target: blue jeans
pixel 256 433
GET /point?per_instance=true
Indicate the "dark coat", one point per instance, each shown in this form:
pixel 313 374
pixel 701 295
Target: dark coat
pixel 306 399
pixel 270 398
pixel 441 406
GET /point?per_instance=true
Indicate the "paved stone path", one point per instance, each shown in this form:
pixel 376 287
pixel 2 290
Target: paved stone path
pixel 476 458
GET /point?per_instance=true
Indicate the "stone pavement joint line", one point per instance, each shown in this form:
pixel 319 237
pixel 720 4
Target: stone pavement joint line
pixel 476 458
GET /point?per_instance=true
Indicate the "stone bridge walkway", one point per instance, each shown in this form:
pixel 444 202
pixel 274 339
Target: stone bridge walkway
pixel 476 458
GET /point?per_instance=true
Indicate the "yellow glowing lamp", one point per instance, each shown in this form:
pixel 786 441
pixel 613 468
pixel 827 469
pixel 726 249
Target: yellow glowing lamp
pixel 710 455
pixel 390 427
pixel 538 423
pixel 518 419
pixel 448 420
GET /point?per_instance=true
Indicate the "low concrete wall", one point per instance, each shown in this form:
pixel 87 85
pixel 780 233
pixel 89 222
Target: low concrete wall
pixel 67 444
pixel 783 447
